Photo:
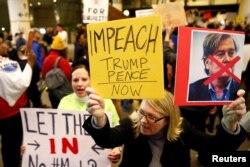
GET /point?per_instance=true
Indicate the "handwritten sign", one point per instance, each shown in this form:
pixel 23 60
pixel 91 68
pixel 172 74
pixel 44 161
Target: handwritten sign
pixel 126 58
pixel 19 10
pixel 95 11
pixel 172 13
pixel 56 138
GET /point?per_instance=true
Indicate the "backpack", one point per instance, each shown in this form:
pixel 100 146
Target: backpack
pixel 57 83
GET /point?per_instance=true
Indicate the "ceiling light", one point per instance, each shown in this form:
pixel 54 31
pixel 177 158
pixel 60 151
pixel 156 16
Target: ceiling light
pixel 126 12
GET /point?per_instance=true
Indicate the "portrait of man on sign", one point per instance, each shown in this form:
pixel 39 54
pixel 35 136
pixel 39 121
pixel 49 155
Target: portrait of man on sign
pixel 220 59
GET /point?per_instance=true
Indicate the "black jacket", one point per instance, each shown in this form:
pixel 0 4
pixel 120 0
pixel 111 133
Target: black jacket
pixel 199 92
pixel 137 151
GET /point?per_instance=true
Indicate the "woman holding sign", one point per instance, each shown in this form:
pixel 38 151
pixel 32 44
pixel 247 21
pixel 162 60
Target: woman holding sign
pixel 80 80
pixel 156 135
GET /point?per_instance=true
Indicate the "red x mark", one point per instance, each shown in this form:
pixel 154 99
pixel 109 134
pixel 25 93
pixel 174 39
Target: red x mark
pixel 223 69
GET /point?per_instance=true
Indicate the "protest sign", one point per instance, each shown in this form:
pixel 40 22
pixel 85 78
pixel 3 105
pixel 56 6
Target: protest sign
pixel 208 59
pixel 172 13
pixel 126 58
pixel 54 138
pixel 144 12
pixel 95 11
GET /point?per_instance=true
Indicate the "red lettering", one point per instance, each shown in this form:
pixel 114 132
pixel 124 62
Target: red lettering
pixel 52 146
pixel 66 144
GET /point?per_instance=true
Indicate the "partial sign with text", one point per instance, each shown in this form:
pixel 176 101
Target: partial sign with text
pixel 54 138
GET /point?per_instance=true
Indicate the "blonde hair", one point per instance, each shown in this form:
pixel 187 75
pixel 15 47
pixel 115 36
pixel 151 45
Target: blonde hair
pixel 166 107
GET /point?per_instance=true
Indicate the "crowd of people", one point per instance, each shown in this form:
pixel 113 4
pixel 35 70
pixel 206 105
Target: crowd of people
pixel 165 132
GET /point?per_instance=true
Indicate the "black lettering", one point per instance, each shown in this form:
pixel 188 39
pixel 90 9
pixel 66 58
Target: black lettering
pixel 55 162
pixel 40 123
pixel 89 9
pixel 143 60
pixel 110 35
pixel 95 11
pixel 143 74
pixel 102 10
pixel 107 61
pixel 115 89
pixel 92 162
pixel 138 37
pixel 98 37
pixel 118 39
pixel 124 90
pixel 78 124
pixel 130 34
pixel 53 121
pixel 116 62
pixel 27 124
pixel 125 64
pixel 135 91
pixel 66 115
pixel 119 76
pixel 112 38
pixel 110 74
pixel 91 46
pixel 134 63
pixel 35 164
pixel 65 163
pixel 153 39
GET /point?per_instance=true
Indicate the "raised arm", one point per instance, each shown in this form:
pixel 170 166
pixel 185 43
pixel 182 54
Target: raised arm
pixel 233 112
pixel 96 107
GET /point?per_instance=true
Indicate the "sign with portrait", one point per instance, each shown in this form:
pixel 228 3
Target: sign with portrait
pixel 56 138
pixel 126 58
pixel 209 66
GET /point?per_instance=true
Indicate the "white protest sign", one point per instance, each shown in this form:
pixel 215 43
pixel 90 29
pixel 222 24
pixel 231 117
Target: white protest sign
pixel 95 11
pixel 144 12
pixel 55 138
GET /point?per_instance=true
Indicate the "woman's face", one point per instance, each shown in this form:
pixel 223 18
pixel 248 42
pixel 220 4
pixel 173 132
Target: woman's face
pixel 152 122
pixel 80 80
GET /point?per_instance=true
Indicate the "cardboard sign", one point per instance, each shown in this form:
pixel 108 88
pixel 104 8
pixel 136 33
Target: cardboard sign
pixel 18 11
pixel 95 11
pixel 29 43
pixel 56 138
pixel 231 16
pixel 172 13
pixel 190 67
pixel 126 58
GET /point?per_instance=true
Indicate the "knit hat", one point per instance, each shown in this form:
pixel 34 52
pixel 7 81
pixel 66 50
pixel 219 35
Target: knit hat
pixel 58 43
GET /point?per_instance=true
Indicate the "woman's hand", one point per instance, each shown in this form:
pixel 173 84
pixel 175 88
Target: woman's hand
pixel 23 149
pixel 115 154
pixel 233 112
pixel 96 107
